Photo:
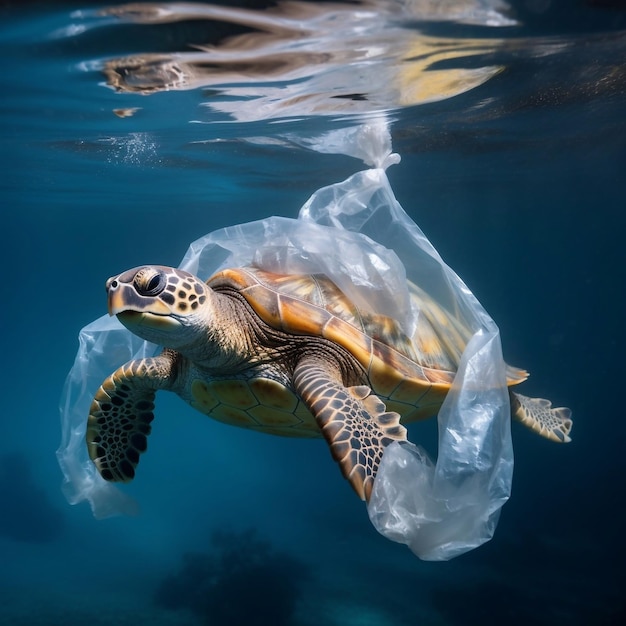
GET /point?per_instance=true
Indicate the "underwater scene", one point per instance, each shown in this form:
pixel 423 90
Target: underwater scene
pixel 451 174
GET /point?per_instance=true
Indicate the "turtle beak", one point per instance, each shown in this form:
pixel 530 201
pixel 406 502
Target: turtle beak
pixel 116 302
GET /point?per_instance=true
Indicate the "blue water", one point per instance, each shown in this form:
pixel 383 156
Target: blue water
pixel 513 162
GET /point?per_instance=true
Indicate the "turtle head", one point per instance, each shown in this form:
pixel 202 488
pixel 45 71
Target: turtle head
pixel 160 304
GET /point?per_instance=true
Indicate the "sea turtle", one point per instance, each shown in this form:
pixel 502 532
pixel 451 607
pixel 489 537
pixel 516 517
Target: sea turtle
pixel 282 354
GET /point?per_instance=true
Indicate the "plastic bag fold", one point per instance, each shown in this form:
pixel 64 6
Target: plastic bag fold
pixel 445 509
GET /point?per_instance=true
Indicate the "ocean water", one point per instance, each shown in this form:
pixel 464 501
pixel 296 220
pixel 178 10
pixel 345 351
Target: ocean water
pixel 129 131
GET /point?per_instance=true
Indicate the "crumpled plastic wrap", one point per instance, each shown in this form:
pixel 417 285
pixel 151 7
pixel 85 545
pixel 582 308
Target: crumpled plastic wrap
pixel 357 233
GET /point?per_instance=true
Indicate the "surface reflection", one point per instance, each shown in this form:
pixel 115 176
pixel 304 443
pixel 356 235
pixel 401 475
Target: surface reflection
pixel 300 58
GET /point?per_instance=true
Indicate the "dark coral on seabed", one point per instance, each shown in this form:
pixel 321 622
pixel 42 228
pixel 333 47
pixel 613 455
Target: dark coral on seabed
pixel 243 580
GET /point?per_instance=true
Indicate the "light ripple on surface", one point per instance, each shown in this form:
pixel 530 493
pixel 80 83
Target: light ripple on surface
pixel 309 59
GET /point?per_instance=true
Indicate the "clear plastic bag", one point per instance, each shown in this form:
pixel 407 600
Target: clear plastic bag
pixel 357 233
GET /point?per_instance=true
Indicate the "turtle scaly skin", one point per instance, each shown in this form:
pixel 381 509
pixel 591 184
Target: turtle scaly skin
pixel 287 355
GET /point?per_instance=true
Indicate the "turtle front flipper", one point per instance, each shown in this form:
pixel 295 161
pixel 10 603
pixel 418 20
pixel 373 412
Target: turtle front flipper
pixel 120 416
pixel 354 422
pixel 538 415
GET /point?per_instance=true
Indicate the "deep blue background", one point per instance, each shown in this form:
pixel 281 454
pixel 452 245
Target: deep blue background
pixel 524 198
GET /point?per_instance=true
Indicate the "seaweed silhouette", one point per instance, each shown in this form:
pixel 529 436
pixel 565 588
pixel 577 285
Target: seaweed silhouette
pixel 242 580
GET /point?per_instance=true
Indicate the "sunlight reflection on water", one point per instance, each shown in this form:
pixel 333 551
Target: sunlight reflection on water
pixel 307 59
pixel 283 74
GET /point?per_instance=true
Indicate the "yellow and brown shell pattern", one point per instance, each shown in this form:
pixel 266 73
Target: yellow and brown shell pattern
pixel 410 374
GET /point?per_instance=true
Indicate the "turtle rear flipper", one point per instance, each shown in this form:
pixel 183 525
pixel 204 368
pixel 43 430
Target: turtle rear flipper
pixel 353 421
pixel 538 415
pixel 120 416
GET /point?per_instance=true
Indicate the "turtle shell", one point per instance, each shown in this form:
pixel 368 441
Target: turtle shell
pixel 411 374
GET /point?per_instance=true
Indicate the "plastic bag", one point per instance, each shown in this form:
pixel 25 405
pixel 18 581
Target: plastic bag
pixel 357 233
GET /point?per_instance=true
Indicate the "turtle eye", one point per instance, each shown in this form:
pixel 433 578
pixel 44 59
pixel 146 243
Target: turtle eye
pixel 149 281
